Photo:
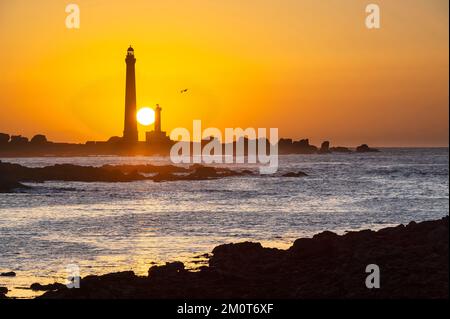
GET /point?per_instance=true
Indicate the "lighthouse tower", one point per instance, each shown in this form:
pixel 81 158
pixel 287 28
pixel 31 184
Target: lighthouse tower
pixel 157 138
pixel 158 118
pixel 130 132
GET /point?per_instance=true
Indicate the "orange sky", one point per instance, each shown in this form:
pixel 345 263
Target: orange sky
pixel 308 67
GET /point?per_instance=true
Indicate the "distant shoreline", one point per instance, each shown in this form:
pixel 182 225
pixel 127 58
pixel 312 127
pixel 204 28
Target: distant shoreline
pixel 7 155
pixel 20 146
pixel 381 148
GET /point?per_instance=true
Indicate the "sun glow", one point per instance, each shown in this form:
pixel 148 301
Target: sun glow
pixel 146 116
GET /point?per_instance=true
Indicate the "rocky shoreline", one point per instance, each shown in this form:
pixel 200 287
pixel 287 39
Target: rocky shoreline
pixel 413 262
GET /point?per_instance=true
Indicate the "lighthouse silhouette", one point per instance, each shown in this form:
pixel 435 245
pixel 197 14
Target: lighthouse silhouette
pixel 130 131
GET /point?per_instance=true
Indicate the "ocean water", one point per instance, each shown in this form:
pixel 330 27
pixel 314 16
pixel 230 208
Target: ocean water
pixel 105 227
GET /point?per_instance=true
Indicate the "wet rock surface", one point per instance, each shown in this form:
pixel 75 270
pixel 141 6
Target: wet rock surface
pixel 413 262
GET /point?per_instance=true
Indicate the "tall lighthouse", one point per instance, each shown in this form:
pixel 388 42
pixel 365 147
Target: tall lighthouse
pixel 130 132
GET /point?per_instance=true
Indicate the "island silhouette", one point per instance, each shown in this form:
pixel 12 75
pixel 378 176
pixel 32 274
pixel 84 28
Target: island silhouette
pixel 157 142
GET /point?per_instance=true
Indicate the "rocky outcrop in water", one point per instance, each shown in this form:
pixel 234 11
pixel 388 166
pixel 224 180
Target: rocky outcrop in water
pixel 293 174
pixel 64 172
pixel 199 173
pixel 20 146
pixel 413 262
pixel 147 168
pixel 340 149
pixel 364 148
pixel 4 139
pixel 12 174
pixel 8 274
pixel 8 185
pixel 49 287
pixel 325 148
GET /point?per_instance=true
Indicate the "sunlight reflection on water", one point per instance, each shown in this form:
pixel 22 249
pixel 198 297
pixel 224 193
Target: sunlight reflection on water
pixel 105 227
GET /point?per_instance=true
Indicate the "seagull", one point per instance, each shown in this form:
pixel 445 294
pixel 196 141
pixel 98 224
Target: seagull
pixel 184 91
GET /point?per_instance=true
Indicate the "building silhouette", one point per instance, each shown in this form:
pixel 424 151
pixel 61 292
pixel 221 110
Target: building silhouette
pixel 158 118
pixel 157 138
pixel 130 131
pixel 157 141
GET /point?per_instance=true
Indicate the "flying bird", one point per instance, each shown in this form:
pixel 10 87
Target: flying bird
pixel 184 91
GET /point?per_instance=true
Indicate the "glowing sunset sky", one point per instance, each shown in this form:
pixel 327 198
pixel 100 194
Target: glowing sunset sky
pixel 310 68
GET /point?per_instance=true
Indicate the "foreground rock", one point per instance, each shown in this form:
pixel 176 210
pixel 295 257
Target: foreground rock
pixel 413 261
pixel 3 292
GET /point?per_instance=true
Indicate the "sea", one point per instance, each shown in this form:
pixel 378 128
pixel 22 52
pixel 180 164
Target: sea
pixel 108 227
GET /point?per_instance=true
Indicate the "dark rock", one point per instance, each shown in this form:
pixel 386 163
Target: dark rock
pixel 285 143
pixel 320 244
pixel 148 168
pixel 18 140
pixel 292 174
pixel 325 148
pixel 203 256
pixel 4 138
pixel 110 173
pixel 115 139
pixel 118 276
pixel 169 269
pixel 199 172
pixel 64 172
pixel 203 172
pixel 7 186
pixel 241 258
pixel 303 147
pixel 8 274
pixel 164 177
pixel 413 259
pixel 54 286
pixel 39 139
pixel 340 149
pixel 364 148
